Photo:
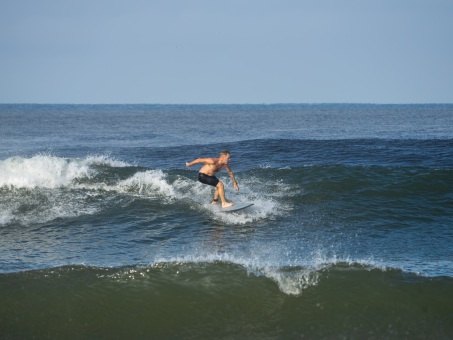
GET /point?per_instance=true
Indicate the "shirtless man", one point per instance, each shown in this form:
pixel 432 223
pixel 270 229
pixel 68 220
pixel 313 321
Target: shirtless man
pixel 209 169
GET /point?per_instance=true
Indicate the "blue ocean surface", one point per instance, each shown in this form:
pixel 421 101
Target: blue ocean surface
pixel 104 233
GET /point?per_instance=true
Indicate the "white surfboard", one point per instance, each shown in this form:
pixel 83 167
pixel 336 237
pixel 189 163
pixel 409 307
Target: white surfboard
pixel 235 207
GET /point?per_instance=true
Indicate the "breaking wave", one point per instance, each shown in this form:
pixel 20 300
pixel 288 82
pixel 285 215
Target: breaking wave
pixel 42 188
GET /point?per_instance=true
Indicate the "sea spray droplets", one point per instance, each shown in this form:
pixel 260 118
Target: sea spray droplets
pixel 292 281
pixel 105 160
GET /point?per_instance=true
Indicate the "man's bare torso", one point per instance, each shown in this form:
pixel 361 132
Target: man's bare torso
pixel 212 167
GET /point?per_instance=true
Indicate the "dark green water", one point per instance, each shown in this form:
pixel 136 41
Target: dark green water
pixel 223 300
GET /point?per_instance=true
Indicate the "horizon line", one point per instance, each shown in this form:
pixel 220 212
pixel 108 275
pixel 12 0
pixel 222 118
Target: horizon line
pixel 226 104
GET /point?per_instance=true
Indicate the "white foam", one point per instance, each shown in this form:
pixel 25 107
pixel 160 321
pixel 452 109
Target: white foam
pixel 26 207
pixel 41 171
pixel 295 281
pixel 292 273
pixel 293 277
pixel 291 281
pixel 252 190
pixel 6 215
pixel 45 171
pixel 150 182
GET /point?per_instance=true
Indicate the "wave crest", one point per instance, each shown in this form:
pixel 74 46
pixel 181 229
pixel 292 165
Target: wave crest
pixel 44 171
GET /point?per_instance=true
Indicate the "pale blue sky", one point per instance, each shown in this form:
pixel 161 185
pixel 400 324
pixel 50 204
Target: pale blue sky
pixel 230 51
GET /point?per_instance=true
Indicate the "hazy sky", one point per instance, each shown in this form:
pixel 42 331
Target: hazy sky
pixel 256 51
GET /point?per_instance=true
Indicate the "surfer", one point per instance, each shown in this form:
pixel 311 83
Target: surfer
pixel 206 175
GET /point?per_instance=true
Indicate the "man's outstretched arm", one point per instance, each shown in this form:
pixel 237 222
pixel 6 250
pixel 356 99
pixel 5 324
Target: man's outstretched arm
pixel 199 160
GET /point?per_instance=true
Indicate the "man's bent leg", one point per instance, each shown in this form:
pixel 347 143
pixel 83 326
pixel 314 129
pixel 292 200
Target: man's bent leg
pixel 221 192
pixel 216 197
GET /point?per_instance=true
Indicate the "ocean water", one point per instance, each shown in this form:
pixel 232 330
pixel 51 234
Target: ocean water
pixel 105 234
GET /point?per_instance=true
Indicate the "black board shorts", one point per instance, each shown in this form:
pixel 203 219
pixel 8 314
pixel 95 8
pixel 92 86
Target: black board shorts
pixel 209 180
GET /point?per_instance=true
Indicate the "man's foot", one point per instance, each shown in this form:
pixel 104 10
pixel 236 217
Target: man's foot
pixel 227 204
pixel 214 202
